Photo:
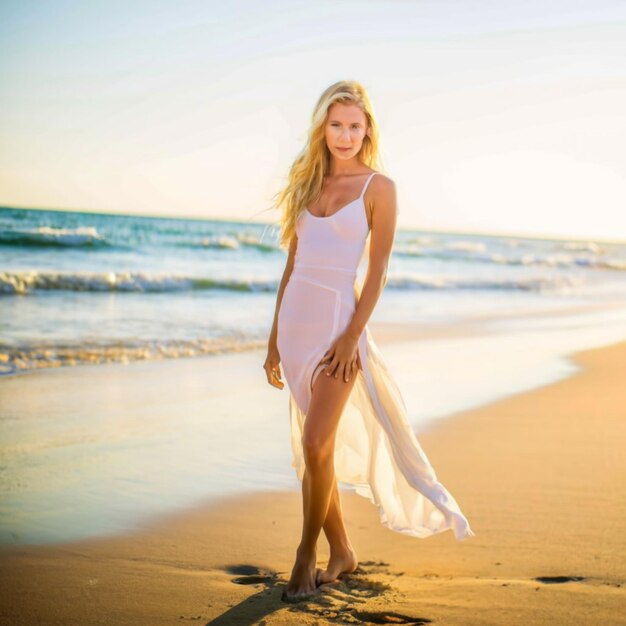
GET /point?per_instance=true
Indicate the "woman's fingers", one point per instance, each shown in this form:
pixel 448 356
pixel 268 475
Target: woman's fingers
pixel 276 381
pixel 277 376
pixel 347 367
pixel 347 372
pixel 332 366
pixel 272 371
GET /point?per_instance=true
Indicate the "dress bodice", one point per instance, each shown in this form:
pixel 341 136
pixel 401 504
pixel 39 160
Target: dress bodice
pixel 336 241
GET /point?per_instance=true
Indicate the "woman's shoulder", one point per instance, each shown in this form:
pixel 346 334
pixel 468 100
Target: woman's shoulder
pixel 381 179
pixel 381 186
pixel 381 197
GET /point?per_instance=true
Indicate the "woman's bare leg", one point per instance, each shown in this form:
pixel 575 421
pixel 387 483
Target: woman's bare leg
pixel 328 398
pixel 343 558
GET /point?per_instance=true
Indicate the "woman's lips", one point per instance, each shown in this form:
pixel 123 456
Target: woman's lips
pixel 343 149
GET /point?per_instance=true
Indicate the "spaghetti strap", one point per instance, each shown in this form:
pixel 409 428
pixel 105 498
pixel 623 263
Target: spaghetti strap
pixel 367 182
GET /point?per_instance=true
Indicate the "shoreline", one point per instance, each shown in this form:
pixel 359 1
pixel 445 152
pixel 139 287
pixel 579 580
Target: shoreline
pixel 541 476
pixel 88 463
pixel 19 361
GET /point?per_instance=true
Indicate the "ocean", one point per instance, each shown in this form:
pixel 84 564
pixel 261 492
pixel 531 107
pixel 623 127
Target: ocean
pixel 87 288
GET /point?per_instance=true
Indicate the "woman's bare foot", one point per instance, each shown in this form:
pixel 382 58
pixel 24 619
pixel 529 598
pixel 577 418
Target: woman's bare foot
pixel 302 582
pixel 340 562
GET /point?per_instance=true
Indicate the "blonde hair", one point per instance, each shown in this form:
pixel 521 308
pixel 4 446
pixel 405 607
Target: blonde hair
pixel 307 172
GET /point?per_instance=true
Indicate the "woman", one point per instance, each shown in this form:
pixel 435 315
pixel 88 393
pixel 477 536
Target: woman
pixel 349 424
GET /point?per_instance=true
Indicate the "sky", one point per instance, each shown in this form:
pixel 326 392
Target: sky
pixel 495 116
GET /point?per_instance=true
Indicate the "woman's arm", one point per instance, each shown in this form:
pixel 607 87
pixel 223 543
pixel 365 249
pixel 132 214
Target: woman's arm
pixel 384 215
pixel 343 355
pixel 281 288
pixel 272 361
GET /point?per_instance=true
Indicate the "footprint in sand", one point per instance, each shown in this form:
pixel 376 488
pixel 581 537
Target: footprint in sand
pixel 252 575
pixel 558 579
pixel 388 617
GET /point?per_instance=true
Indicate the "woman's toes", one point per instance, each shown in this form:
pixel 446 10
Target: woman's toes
pixel 325 578
pixel 322 577
pixel 287 597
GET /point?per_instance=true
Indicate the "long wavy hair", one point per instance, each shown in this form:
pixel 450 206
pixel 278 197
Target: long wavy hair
pixel 306 175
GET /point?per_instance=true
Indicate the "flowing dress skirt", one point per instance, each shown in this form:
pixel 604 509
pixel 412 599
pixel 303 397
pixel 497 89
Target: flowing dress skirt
pixel 376 449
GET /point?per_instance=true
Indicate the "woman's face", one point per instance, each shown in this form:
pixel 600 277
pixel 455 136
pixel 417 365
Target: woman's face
pixel 346 127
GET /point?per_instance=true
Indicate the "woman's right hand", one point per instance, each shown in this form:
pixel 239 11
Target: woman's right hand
pixel 272 367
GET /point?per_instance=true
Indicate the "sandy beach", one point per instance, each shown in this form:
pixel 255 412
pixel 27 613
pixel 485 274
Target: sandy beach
pixel 541 476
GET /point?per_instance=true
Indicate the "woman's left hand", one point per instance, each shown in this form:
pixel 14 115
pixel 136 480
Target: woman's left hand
pixel 343 357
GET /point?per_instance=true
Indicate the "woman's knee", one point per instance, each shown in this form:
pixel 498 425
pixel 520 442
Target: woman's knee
pixel 317 451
